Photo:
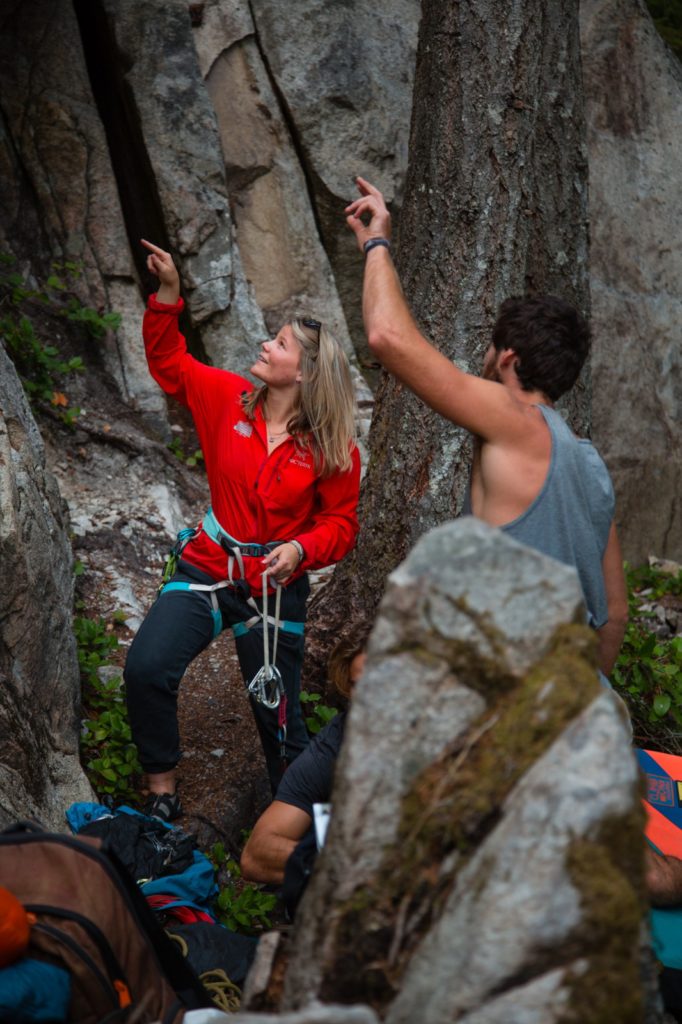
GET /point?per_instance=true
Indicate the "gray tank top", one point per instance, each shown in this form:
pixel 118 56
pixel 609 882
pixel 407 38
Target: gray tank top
pixel 571 517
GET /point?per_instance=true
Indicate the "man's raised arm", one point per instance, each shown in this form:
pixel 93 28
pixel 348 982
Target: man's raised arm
pixel 481 406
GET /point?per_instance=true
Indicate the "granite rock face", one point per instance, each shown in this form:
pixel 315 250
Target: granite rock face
pixel 60 201
pixel 633 93
pixel 180 138
pixel 276 228
pixel 344 73
pixel 40 774
pixel 476 860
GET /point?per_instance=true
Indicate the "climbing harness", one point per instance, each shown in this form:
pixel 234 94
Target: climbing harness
pixel 235 550
pixel 267 686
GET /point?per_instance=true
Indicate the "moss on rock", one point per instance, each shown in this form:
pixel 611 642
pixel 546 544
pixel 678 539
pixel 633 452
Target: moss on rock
pixel 607 870
pixel 447 813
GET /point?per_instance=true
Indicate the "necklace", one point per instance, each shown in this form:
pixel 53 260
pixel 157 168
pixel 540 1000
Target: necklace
pixel 272 434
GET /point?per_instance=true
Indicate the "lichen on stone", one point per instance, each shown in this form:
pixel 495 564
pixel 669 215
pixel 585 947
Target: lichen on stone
pixel 607 871
pixel 447 813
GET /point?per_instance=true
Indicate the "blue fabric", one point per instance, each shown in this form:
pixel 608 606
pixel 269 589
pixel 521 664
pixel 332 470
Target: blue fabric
pixel 83 813
pixel 571 517
pixel 214 530
pixel 31 990
pixel 195 887
pixel 666 935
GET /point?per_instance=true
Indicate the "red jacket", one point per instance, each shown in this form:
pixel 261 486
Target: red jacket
pixel 255 497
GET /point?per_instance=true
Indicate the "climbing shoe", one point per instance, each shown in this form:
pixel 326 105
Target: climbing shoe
pixel 165 806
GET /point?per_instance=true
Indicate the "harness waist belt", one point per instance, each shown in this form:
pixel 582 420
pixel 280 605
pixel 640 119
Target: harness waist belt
pixel 218 535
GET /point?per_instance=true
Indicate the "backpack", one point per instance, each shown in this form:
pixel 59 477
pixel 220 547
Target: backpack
pixel 92 920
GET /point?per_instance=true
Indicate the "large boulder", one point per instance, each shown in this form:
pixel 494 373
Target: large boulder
pixel 40 774
pixel 633 94
pixel 484 856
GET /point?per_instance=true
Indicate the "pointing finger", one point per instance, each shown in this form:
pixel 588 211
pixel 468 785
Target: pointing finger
pixel 366 188
pixel 153 248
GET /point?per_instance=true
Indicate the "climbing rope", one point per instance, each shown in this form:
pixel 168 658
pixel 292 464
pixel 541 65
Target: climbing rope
pixel 266 686
pixel 224 993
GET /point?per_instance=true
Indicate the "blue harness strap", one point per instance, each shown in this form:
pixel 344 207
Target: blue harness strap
pixel 240 628
pixel 218 535
pixel 206 587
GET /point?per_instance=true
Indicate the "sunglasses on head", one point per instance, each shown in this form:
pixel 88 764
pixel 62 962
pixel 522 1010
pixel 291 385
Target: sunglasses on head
pixel 313 325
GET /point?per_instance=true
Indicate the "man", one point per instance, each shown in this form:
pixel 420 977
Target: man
pixel 530 476
pixel 308 780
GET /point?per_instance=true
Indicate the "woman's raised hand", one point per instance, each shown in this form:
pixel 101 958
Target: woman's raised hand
pixel 160 263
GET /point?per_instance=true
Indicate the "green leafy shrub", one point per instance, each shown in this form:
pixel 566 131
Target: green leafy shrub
pixel 107 749
pixel 648 673
pixel 176 448
pixel 38 365
pixel 240 906
pixel 95 644
pixel 318 714
pixel 38 362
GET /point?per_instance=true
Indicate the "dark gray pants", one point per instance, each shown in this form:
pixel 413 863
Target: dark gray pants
pixel 178 626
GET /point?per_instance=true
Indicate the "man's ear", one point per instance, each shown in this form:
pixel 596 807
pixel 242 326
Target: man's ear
pixel 507 358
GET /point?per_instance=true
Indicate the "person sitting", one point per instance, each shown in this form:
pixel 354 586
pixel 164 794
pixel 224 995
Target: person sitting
pixel 309 779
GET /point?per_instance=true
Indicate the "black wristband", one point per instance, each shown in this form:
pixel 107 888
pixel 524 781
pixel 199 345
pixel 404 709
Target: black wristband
pixel 371 243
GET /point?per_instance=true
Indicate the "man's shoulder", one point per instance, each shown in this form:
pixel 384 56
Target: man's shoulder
pixel 332 733
pixel 309 778
pixel 328 740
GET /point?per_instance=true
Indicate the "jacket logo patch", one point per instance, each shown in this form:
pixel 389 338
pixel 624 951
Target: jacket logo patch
pixel 244 428
pixel 300 460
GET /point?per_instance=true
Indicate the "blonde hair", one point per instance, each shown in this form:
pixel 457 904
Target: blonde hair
pixel 324 419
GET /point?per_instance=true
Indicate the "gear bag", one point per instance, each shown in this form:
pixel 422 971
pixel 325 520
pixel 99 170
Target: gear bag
pixel 89 917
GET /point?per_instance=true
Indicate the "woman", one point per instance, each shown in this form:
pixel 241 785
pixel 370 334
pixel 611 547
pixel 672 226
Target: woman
pixel 283 473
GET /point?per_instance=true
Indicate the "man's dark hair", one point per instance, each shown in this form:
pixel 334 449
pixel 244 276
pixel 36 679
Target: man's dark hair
pixel 550 338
